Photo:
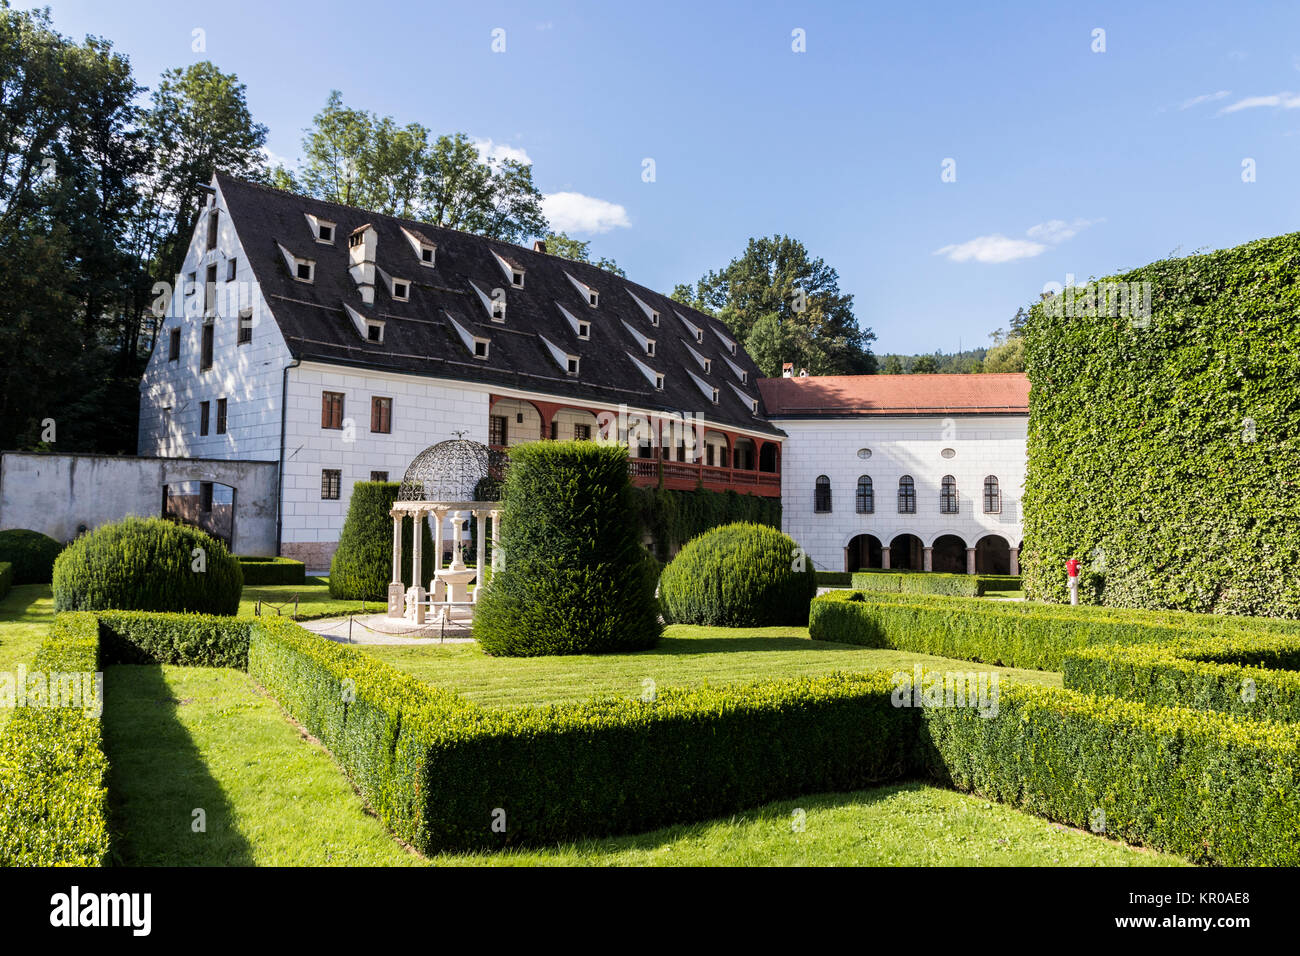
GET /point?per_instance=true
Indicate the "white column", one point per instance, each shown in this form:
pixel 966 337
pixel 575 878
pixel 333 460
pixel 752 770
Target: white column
pixel 482 553
pixel 928 560
pixel 396 589
pixel 884 558
pixel 417 570
pixel 439 589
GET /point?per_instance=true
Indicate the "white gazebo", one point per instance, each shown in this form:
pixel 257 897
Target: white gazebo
pixel 448 480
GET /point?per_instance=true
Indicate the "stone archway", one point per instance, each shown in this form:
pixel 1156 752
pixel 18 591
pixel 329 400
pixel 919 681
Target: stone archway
pixel 948 554
pixel 862 552
pixel 906 553
pixel 992 555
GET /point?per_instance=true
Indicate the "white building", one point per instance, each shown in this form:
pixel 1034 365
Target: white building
pixel 904 471
pixel 339 343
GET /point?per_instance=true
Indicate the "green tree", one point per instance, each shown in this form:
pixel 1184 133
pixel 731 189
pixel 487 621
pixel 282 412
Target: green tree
pixel 777 276
pixel 566 247
pixel 1008 356
pixel 924 365
pixel 893 365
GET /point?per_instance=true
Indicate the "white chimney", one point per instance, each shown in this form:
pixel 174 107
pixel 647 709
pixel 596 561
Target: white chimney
pixel 363 245
pixel 787 370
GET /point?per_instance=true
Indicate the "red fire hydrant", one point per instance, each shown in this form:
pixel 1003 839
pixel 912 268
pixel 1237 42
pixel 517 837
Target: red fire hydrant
pixel 1072 575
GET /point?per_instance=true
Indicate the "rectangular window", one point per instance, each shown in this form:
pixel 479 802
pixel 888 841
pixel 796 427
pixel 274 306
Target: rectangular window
pixel 555 431
pixel 379 476
pixel 212 228
pixel 381 415
pixel 497 430
pixel 232 266
pixel 331 410
pixel 205 356
pixel 245 327
pixel 303 269
pixel 708 455
pixel 331 484
pixel 205 497
pixel 210 289
pixel 325 232
pixel 205 409
pixel 582 433
pixel 221 416
pixel 174 346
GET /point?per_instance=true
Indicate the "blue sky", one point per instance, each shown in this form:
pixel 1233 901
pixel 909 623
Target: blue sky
pixel 1068 161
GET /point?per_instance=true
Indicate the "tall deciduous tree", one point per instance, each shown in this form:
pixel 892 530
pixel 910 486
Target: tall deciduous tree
pixel 777 277
pixel 566 247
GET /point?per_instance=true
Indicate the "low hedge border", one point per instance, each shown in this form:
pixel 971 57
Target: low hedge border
pixel 440 771
pixel 53 770
pixel 1205 786
pixel 6 577
pixel 189 640
pixel 259 572
pixel 1250 677
pixel 934 582
pixel 834 579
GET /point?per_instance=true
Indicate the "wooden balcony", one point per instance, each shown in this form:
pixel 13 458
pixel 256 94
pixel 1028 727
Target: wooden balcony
pixel 687 476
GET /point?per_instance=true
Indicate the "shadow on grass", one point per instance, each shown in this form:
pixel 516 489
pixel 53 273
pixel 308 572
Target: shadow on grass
pixel 158 779
pixel 675 646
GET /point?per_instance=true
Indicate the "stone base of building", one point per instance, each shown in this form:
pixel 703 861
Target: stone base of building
pixel 315 554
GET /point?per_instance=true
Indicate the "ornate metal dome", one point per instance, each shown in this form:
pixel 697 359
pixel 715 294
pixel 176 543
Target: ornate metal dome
pixel 454 470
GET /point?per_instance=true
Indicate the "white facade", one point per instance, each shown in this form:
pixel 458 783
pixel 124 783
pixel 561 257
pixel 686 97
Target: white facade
pixel 980 446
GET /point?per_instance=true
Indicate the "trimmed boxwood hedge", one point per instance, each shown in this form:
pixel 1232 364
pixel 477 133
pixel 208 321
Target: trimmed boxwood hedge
pixel 31 553
pixel 738 575
pixel 671 518
pixel 575 578
pixel 193 640
pixel 1249 676
pixel 263 571
pixel 53 799
pixel 935 582
pixel 147 564
pixel 362 566
pixel 834 579
pixel 1162 453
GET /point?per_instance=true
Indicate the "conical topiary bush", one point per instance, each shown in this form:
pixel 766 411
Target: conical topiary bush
pixel 362 565
pixel 572 576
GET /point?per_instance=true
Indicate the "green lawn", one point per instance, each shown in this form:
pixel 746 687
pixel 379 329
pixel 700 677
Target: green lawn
pixel 186 738
pixel 25 615
pixel 314 601
pixel 686 656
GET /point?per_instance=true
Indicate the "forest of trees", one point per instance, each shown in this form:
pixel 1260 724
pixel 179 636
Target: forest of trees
pixel 102 181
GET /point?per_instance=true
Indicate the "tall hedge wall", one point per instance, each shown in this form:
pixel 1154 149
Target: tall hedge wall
pixel 1163 452
pixel 672 518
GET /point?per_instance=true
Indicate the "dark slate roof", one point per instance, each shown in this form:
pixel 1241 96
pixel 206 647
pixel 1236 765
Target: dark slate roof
pixel 419 338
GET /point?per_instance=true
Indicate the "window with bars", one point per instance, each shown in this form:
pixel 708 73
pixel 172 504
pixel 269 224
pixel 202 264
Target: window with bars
pixel 948 495
pixel 992 496
pixel 582 433
pixel 221 416
pixel 906 495
pixel 866 496
pixel 205 415
pixel 498 430
pixel 245 327
pixel 379 476
pixel 381 415
pixel 331 410
pixel 331 484
pixel 822 495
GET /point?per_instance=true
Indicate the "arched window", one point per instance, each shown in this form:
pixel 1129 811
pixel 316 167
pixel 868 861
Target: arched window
pixel 822 496
pixel 992 496
pixel 866 497
pixel 948 495
pixel 906 495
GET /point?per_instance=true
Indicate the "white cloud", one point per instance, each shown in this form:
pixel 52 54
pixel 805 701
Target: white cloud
pixel 574 212
pixel 1286 101
pixel 1205 98
pixel 490 151
pixel 274 159
pixel 1058 230
pixel 990 249
pixel 997 248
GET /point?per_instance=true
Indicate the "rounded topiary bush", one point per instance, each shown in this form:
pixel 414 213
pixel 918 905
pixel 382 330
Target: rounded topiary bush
pixel 738 575
pixel 31 553
pixel 572 576
pixel 362 565
pixel 147 564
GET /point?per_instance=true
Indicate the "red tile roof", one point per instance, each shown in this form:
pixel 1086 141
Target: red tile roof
pixel 841 395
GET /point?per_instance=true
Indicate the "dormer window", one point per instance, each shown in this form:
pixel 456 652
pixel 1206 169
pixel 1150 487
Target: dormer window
pixel 733 348
pixel 708 366
pixel 517 278
pixel 659 382
pixel 325 232
pixel 593 298
pixel 650 347
pixel 572 367
pixel 699 337
pixel 715 396
pixel 480 348
pixel 584 330
pixel 426 255
pixel 401 290
pixel 753 405
pixel 744 377
pixel 304 270
pixel 654 318
pixel 499 310
pixel 375 332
